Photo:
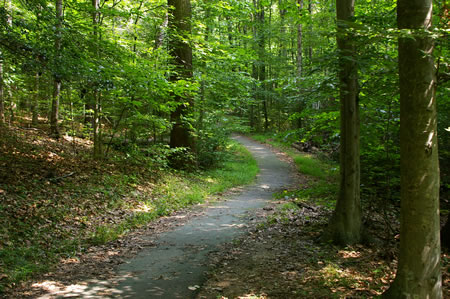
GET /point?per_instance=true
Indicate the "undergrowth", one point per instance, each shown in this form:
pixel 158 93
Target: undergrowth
pixel 55 201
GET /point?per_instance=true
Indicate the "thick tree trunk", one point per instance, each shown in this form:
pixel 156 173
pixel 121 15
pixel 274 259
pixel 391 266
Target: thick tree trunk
pixel 418 273
pixel 181 52
pixel 54 128
pixel 345 224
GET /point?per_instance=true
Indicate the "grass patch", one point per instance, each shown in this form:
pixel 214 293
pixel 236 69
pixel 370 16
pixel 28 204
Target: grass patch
pixel 306 163
pixel 180 189
pixel 323 186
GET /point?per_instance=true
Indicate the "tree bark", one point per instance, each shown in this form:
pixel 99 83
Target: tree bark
pixel 2 94
pixel 418 274
pixel 181 52
pixel 96 95
pixel 7 4
pixel 345 224
pixel 35 103
pixel 54 127
pixel 299 40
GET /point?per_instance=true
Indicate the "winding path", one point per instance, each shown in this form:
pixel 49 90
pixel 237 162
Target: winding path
pixel 176 266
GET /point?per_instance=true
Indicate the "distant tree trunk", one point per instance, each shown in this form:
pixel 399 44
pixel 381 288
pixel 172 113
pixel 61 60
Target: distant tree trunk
pixel 419 266
pixel 345 225
pixel 181 52
pixel 2 93
pixel 299 40
pixel 300 105
pixel 96 95
pixel 262 62
pixel 310 29
pixel 35 103
pixel 283 52
pixel 161 36
pixel 7 4
pixel 54 128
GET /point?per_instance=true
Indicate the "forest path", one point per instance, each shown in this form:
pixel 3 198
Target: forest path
pixel 176 266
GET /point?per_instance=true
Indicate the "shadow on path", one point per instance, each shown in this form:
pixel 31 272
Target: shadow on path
pixel 175 267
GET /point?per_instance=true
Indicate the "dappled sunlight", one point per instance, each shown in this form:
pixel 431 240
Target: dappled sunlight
pixel 83 289
pixel 347 254
pixel 264 186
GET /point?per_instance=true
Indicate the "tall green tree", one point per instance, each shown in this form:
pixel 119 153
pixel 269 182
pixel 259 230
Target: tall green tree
pixel 419 267
pixel 179 24
pixel 2 93
pixel 345 224
pixel 54 127
pixel 96 95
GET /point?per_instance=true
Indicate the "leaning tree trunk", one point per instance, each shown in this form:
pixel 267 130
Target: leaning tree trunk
pixel 54 128
pixel 418 273
pixel 345 224
pixel 181 52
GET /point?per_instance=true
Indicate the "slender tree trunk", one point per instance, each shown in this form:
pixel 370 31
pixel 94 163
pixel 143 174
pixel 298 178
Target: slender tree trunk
pixel 300 105
pixel 262 68
pixel 310 29
pixel 7 4
pixel 419 266
pixel 54 127
pixel 181 52
pixel 345 224
pixel 2 93
pixel 35 103
pixel 96 95
pixel 161 36
pixel 300 41
pixel 283 52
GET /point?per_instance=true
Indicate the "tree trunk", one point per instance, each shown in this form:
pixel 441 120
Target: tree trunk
pixel 310 29
pixel 181 52
pixel 35 103
pixel 418 273
pixel 7 6
pixel 345 224
pixel 96 95
pixel 54 128
pixel 299 40
pixel 2 93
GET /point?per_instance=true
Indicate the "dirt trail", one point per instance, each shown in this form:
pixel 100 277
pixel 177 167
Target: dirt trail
pixel 175 267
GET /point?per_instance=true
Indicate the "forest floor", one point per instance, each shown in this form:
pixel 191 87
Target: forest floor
pixel 282 256
pixel 58 206
pixel 279 256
